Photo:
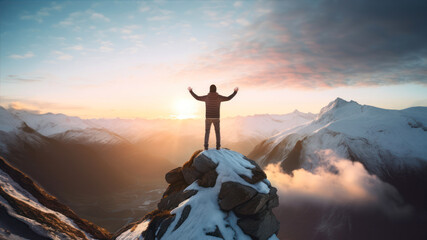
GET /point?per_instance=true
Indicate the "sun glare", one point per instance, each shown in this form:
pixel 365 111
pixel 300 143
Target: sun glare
pixel 184 108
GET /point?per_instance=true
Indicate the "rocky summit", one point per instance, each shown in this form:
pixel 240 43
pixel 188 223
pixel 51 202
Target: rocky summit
pixel 216 194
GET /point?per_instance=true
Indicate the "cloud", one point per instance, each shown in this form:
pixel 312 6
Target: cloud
pixel 238 4
pixel 338 182
pixel 24 56
pixel 329 44
pixel 144 9
pixel 106 46
pixel 339 199
pixel 77 47
pixel 23 78
pixel 159 18
pixel 36 106
pixel 126 29
pixel 99 16
pixel 62 56
pixel 161 15
pixel 130 50
pixel 81 19
pixel 243 22
pixel 72 19
pixel 42 13
pixel 133 37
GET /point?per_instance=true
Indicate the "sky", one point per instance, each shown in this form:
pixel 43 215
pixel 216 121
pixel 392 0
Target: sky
pixel 135 59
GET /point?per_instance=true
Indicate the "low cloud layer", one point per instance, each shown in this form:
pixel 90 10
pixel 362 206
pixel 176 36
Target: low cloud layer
pixel 337 182
pixel 341 200
pixel 306 44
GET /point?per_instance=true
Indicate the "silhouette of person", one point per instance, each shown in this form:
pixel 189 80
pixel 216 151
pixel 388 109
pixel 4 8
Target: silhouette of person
pixel 213 102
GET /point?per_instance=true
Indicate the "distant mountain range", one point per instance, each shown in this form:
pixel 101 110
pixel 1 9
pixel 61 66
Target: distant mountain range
pixel 249 129
pixel 85 161
pixel 338 173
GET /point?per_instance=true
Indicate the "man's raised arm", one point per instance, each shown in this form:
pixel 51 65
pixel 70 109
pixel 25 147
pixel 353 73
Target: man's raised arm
pixel 223 99
pixel 200 98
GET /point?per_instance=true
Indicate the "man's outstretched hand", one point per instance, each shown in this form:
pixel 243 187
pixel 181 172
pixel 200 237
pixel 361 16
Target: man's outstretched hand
pixel 190 88
pixel 236 89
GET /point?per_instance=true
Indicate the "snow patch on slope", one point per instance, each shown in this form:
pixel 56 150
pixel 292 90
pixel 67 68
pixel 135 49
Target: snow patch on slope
pixel 15 190
pixel 135 232
pixel 8 122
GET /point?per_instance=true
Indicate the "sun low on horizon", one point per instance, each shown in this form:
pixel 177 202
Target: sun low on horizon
pixel 184 109
pixel 136 59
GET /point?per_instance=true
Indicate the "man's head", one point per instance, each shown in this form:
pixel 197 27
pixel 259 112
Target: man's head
pixel 212 88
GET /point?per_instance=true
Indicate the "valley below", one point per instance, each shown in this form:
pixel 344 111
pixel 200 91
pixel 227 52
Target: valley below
pixel 338 173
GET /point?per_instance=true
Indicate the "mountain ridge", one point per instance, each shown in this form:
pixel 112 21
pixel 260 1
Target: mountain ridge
pixel 26 201
pixel 387 142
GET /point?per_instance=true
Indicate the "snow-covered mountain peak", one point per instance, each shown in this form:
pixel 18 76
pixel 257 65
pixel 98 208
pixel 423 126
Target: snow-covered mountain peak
pixel 374 136
pixel 337 109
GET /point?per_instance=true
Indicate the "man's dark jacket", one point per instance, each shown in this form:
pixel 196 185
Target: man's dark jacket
pixel 213 102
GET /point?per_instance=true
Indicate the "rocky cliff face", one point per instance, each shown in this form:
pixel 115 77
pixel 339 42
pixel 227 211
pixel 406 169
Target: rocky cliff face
pixel 216 194
pixel 29 212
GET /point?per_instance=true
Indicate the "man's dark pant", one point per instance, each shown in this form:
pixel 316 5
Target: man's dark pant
pixel 208 124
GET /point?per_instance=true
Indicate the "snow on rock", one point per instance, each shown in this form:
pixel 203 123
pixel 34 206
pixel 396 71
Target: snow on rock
pixel 134 232
pixel 33 213
pixel 216 194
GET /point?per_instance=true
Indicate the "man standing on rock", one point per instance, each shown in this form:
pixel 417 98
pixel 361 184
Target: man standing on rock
pixel 213 102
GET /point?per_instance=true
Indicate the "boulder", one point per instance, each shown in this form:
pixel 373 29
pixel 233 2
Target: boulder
pixel 174 175
pixel 233 194
pixel 190 162
pixel 208 179
pixel 173 200
pixel 191 174
pixel 175 187
pixel 252 206
pixel 203 163
pixel 260 228
pixel 273 199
